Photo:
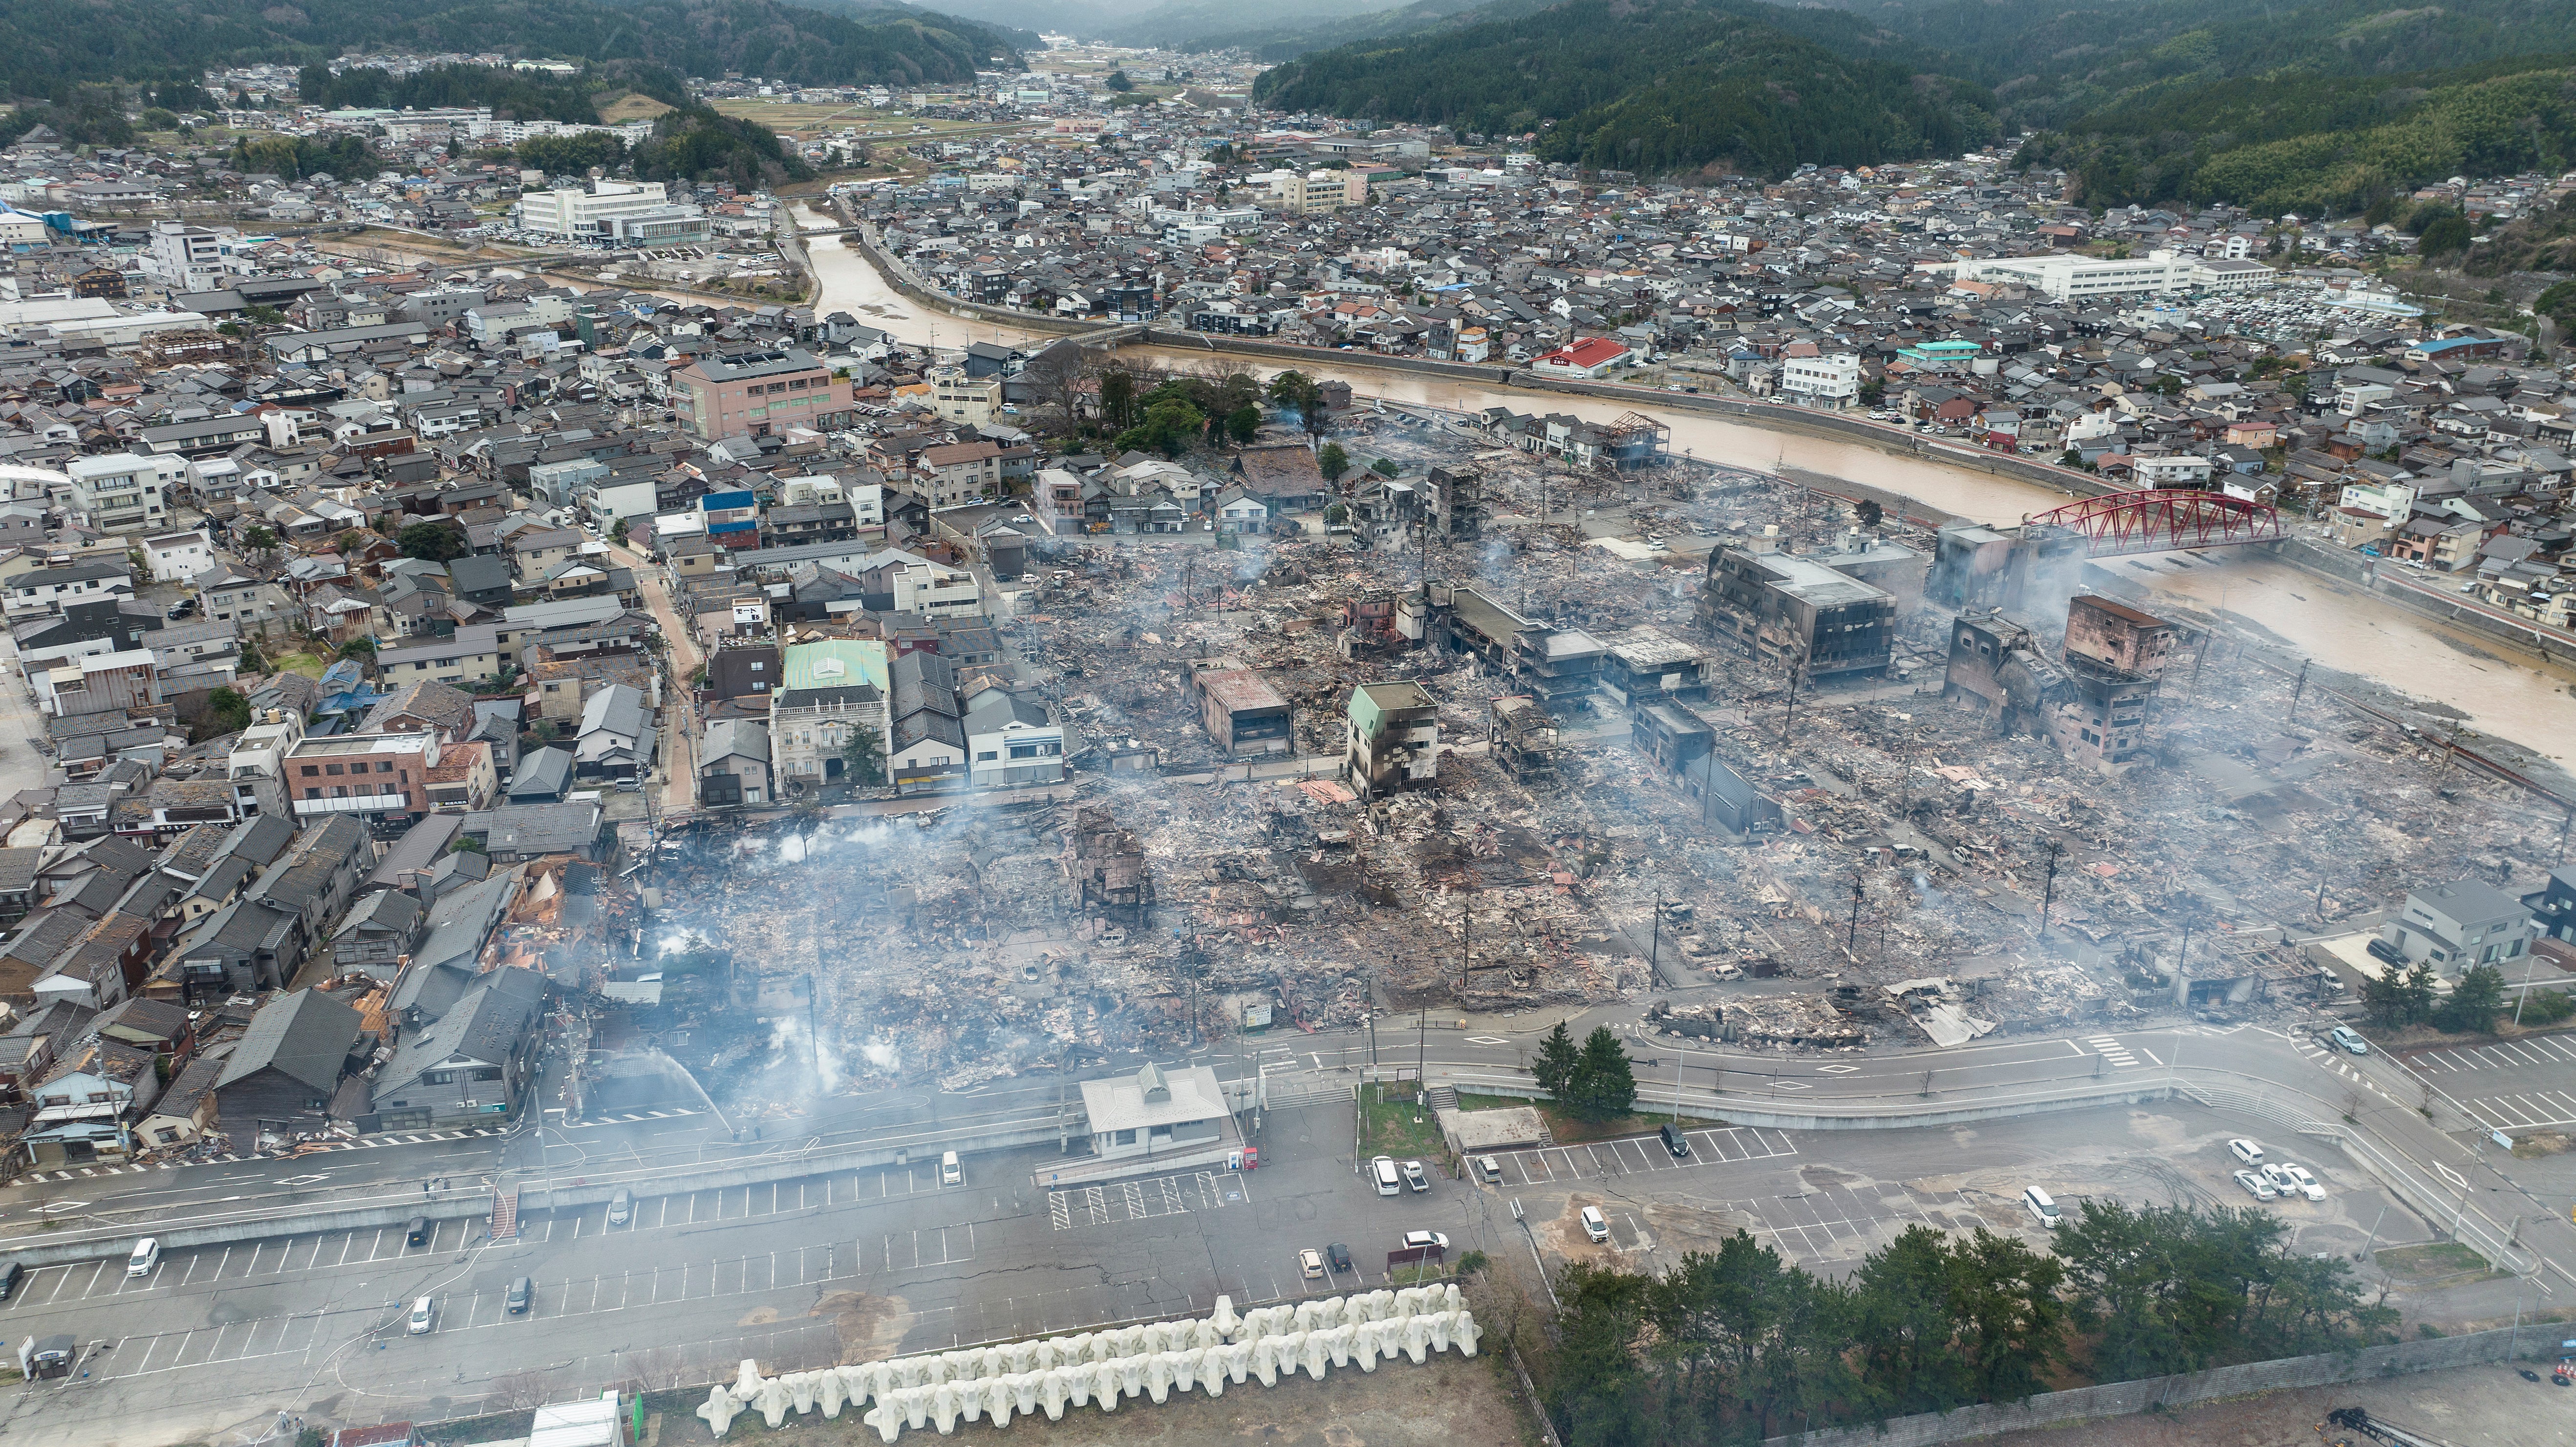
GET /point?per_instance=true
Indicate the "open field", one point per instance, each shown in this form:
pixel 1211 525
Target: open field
pixel 631 107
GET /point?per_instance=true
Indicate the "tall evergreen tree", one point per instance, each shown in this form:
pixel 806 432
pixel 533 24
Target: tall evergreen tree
pixel 1604 1085
pixel 1555 1065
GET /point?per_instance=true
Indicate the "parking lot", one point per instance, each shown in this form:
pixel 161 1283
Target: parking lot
pixel 2508 1085
pixel 803 1271
pixel 1721 1146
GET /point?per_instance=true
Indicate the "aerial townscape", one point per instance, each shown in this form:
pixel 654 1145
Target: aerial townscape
pixel 732 719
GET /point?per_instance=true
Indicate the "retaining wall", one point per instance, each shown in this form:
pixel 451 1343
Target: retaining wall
pixel 2120 1399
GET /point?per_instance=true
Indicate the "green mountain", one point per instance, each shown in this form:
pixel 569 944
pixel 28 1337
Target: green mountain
pixel 2311 143
pixel 1285 38
pixel 49 46
pixel 1658 86
pixel 2052 63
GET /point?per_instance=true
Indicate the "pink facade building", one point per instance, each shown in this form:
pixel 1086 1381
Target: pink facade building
pixel 758 393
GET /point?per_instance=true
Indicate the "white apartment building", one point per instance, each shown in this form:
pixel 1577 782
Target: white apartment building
pixel 2071 278
pixel 124 490
pixel 571 211
pixel 184 257
pixel 2164 472
pixel 1832 380
pixel 936 592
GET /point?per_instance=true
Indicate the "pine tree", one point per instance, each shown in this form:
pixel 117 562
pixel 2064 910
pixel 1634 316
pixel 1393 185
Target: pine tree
pixel 1604 1086
pixel 1556 1063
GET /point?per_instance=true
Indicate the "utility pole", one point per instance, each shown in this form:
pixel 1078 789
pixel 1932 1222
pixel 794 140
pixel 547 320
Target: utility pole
pixel 2301 688
pixel 1655 935
pixel 1851 933
pixel 1466 942
pixel 2048 891
pixel 1795 669
pixel 1421 1030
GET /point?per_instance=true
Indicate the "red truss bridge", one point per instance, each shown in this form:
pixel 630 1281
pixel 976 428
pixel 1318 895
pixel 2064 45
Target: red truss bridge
pixel 2165 520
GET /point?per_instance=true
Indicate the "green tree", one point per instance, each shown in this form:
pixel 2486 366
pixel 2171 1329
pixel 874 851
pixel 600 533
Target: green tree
pixel 1169 427
pixel 252 660
pixel 1557 1058
pixel 1337 515
pixel 1243 422
pixel 437 542
pixel 359 648
pixel 259 541
pixel 2445 235
pixel 1604 1085
pixel 865 754
pixel 1119 82
pixel 157 119
pixel 230 711
pixel 350 541
pixel 1332 461
pixel 2400 997
pixel 1118 398
pixel 2476 998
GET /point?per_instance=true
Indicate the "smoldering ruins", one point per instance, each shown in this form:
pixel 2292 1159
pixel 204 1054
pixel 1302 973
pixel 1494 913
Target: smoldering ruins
pixel 1523 735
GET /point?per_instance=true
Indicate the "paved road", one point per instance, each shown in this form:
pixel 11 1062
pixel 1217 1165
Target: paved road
pixel 679 711
pixel 21 767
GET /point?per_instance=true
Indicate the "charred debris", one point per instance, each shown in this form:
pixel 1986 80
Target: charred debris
pixel 1700 733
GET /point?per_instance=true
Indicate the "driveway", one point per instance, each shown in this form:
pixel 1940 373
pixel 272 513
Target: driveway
pixel 680 708
pixel 21 767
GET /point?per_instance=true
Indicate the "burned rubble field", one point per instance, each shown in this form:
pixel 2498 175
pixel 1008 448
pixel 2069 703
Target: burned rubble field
pixel 1898 901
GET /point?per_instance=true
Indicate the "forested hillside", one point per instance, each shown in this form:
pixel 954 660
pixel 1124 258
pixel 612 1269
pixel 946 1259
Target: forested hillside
pixel 1681 85
pixel 2322 143
pixel 48 46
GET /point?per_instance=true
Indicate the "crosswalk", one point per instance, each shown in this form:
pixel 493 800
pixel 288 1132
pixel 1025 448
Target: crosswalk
pixel 2112 1050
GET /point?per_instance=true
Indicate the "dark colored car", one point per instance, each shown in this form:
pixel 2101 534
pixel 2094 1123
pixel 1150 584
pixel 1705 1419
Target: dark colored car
pixel 2382 949
pixel 523 1292
pixel 1676 1143
pixel 1339 1255
pixel 417 1231
pixel 9 1274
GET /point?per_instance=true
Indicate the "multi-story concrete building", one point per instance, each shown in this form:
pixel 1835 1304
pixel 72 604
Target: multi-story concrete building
pixel 1832 380
pixel 1393 739
pixel 759 393
pixel 124 490
pixel 380 775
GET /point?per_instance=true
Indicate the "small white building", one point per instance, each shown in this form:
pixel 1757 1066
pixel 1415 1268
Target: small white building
pixel 178 557
pixel 1832 380
pixel 1016 753
pixel 1155 1112
pixel 2165 472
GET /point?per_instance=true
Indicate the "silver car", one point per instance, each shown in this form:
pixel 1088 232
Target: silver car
pixel 2257 1187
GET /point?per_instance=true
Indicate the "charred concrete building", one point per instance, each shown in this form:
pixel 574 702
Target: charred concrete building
pixel 2092 700
pixel 1522 738
pixel 1798 611
pixel 1558 666
pixel 1243 713
pixel 1393 738
pixel 1981 567
pixel 1457 501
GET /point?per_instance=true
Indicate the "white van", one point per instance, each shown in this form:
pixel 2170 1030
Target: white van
pixel 2042 1207
pixel 424 1315
pixel 147 1254
pixel 1388 1182
pixel 951 1173
pixel 1594 1226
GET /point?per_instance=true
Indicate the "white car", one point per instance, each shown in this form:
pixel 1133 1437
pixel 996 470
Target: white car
pixel 2291 1180
pixel 1413 1239
pixel 2257 1187
pixel 1310 1264
pixel 2246 1151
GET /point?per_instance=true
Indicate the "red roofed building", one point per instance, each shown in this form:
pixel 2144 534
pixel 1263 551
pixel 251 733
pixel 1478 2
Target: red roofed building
pixel 1589 357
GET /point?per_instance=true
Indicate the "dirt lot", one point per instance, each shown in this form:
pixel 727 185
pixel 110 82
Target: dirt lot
pixel 2468 1407
pixel 1449 1401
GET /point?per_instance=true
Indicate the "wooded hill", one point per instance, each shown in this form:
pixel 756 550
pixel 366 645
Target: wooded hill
pixel 48 46
pixel 1665 86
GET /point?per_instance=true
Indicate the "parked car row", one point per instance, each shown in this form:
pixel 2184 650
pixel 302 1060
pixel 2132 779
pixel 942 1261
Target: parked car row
pixel 2269 1180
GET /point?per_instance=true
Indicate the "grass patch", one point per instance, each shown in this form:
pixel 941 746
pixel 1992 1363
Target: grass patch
pixel 2541 1143
pixel 632 106
pixel 1571 1129
pixel 310 665
pixel 2434 1261
pixel 1389 1125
